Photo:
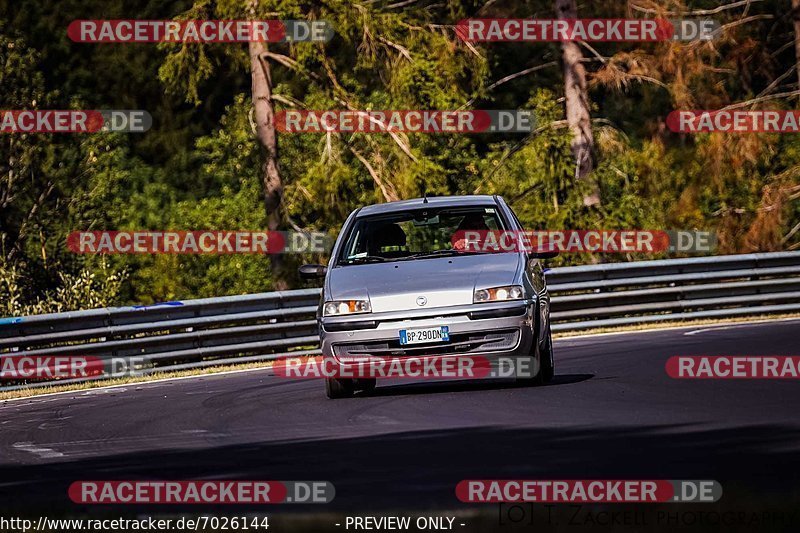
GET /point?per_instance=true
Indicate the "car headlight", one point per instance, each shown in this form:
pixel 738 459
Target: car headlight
pixel 346 307
pixel 498 294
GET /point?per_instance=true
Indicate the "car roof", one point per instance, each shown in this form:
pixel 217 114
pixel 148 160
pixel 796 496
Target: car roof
pixel 433 202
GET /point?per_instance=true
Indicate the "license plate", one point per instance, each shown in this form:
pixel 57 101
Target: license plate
pixel 421 335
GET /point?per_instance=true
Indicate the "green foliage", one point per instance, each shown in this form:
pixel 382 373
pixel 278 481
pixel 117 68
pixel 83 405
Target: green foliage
pixel 98 286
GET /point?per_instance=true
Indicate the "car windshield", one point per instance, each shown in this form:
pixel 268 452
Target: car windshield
pixel 418 234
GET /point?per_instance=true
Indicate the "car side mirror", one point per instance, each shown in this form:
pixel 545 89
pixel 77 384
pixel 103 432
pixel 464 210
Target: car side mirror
pixel 312 271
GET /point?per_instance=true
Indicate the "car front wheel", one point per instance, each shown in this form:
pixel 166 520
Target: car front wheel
pixel 548 366
pixel 339 388
pixel 546 363
pixel 366 384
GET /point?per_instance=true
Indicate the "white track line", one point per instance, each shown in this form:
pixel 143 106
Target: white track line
pixel 706 327
pixel 44 453
pixel 123 386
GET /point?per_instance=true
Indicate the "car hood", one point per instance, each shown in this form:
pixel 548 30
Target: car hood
pixel 442 281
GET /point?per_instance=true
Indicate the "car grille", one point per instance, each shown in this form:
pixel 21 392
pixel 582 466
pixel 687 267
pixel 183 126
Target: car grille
pixel 502 340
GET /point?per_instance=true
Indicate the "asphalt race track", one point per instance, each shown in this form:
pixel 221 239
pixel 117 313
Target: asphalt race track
pixel 611 413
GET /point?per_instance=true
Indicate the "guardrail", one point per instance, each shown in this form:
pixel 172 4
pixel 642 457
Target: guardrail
pixel 269 326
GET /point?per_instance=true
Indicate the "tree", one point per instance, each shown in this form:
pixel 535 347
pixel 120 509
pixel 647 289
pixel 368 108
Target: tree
pixel 213 164
pixel 576 97
pixel 264 115
pixel 796 22
pixel 47 184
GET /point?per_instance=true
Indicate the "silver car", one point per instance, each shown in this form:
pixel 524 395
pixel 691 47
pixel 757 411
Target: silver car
pixel 396 286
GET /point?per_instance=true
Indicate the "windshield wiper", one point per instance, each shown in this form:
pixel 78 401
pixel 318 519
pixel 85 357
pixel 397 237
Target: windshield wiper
pixel 442 253
pixel 366 259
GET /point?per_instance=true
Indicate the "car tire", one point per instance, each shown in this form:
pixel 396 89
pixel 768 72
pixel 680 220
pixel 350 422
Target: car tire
pixel 547 369
pixel 338 388
pixel 546 366
pixel 367 384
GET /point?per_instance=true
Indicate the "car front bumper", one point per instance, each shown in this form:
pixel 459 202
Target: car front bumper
pixel 487 330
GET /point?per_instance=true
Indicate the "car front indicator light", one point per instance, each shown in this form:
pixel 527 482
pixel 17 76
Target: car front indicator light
pixel 346 307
